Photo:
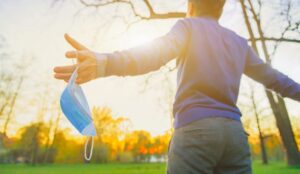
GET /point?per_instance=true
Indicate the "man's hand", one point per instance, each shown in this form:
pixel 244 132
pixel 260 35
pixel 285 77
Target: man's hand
pixel 86 60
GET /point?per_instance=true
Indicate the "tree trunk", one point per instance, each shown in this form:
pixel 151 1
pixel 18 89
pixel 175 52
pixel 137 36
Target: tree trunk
pixel 50 147
pixel 287 135
pixel 261 137
pixel 12 105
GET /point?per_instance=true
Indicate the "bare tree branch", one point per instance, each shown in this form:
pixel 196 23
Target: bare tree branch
pixel 152 13
pixel 281 39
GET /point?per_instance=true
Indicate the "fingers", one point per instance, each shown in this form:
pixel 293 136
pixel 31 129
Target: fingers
pixel 80 55
pixel 80 81
pixel 85 73
pixel 65 76
pixel 83 53
pixel 64 69
pixel 64 72
pixel 74 43
pixel 83 77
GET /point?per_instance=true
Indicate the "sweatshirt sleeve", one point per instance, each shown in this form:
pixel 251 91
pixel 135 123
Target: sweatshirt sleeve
pixel 148 57
pixel 271 78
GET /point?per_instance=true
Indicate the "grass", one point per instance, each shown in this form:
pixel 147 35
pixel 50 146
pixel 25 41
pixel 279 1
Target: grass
pixel 84 169
pixel 273 168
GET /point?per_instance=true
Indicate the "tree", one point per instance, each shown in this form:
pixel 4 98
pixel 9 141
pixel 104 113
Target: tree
pixel 110 132
pixel 30 142
pixel 12 76
pixel 139 143
pixel 12 104
pixel 159 146
pixel 257 109
pixel 279 108
pixel 52 134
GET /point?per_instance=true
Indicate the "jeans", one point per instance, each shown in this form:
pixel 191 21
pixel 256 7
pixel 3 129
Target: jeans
pixel 212 145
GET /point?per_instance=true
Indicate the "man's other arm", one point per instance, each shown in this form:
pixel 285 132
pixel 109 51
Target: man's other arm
pixel 271 78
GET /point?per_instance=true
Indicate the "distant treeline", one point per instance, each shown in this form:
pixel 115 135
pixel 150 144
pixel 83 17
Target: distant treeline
pixel 47 143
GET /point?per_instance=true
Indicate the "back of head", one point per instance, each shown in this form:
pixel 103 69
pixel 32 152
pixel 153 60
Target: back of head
pixel 213 8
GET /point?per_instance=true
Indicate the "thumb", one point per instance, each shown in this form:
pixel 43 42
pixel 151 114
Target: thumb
pixel 75 44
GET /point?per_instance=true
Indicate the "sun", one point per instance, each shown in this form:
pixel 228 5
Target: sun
pixel 141 34
pixel 136 40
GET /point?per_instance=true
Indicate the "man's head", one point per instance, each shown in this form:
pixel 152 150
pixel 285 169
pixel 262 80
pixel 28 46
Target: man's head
pixel 212 8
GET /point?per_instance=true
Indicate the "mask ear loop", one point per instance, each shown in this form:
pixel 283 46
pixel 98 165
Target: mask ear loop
pixel 88 158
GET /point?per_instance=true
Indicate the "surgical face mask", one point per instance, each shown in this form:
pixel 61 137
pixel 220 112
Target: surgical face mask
pixel 75 107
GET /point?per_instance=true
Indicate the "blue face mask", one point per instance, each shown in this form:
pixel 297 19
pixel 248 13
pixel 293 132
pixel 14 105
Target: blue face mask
pixel 75 107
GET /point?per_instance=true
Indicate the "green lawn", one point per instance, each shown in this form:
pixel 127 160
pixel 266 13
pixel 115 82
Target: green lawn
pixel 273 168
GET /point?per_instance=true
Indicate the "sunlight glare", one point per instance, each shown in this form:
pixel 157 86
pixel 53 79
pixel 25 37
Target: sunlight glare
pixel 136 40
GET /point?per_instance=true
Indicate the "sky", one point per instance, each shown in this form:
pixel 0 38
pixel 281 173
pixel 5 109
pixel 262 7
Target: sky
pixel 36 28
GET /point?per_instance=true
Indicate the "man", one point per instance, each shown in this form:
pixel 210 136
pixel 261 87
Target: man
pixel 209 137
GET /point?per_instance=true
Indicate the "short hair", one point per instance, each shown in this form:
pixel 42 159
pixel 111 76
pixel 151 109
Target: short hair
pixel 212 8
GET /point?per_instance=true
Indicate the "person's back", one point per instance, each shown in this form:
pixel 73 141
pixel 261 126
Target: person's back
pixel 210 66
pixel 208 137
pixel 210 70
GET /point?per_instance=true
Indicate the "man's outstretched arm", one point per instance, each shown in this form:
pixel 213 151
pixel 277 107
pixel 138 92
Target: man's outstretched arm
pixel 271 78
pixel 147 57
pixel 135 61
